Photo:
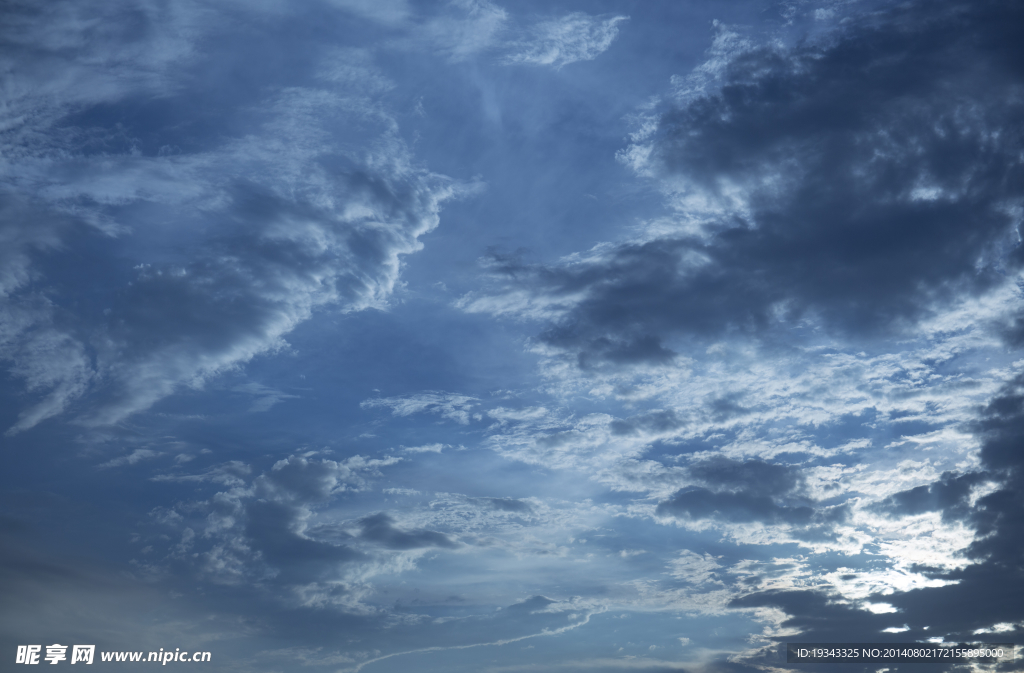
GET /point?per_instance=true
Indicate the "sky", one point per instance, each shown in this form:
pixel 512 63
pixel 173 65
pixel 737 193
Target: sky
pixel 371 336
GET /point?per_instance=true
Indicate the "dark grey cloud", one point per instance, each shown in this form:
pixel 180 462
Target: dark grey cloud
pixel 818 618
pixel 737 492
pixel 380 528
pixel 531 604
pixel 657 421
pixel 950 495
pixel 732 507
pixel 270 530
pixel 508 505
pixel 753 476
pixel 999 516
pixel 865 181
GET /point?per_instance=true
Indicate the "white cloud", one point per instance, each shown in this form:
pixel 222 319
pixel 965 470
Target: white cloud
pixel 695 569
pixel 448 405
pixel 464 28
pixel 426 448
pixel 132 458
pixel 264 397
pixel 567 39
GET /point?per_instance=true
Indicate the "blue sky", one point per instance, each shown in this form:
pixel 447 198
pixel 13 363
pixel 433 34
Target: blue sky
pixel 459 336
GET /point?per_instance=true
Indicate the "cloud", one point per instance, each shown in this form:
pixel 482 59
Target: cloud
pixel 306 480
pixel 465 28
pixel 999 514
pixel 567 39
pixel 721 425
pixel 701 503
pixel 852 184
pixel 448 405
pixel 426 448
pixel 265 397
pixel 461 30
pixel 233 473
pixel 132 458
pixel 235 240
pixel 695 569
pixel 954 602
pixel 531 613
pixel 380 529
pixel 753 491
pixel 75 54
pixel 508 505
pixel 752 476
pixel 950 495
pixel 267 528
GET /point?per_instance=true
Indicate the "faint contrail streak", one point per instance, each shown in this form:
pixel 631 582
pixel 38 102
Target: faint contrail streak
pixel 505 641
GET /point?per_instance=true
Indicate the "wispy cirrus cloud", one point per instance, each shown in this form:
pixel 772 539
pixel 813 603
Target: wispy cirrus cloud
pixel 567 39
pixel 468 29
pixel 453 406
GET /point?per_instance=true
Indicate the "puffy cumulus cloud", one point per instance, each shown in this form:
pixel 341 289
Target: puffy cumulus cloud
pixel 308 201
pixel 861 182
pixel 573 37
